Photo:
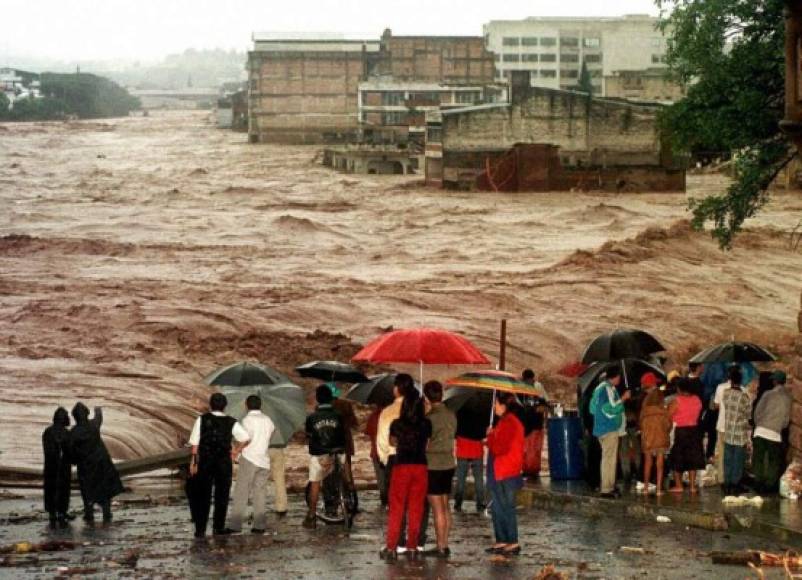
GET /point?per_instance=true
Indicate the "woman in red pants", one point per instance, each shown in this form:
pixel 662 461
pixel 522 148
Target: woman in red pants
pixel 410 434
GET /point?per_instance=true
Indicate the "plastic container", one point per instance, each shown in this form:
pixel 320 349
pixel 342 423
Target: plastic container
pixel 565 447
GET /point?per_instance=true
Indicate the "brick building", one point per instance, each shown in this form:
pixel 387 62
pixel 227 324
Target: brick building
pixel 585 142
pixel 309 90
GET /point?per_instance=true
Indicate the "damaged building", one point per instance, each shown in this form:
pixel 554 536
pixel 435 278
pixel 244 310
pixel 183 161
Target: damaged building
pixel 335 90
pixel 550 140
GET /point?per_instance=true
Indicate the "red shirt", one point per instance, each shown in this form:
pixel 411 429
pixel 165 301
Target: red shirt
pixel 506 443
pixel 469 448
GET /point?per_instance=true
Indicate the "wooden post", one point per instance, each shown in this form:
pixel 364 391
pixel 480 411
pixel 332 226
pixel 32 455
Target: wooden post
pixel 502 353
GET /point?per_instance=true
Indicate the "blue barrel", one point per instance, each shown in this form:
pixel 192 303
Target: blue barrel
pixel 566 461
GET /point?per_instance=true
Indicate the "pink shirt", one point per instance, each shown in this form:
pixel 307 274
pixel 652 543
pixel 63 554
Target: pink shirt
pixel 689 407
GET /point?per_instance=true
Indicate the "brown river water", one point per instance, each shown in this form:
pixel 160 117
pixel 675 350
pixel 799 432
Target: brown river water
pixel 138 254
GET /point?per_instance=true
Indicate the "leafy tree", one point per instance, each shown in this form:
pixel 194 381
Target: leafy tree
pixel 730 54
pixel 5 102
pixel 585 84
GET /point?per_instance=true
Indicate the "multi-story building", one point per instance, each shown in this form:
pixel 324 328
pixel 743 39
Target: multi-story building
pixel 326 89
pixel 554 50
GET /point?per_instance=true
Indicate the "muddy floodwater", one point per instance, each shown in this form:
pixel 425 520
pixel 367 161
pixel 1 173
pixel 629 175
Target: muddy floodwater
pixel 152 539
pixel 138 254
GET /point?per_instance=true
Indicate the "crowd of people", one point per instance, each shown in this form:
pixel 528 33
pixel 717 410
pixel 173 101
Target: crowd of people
pixel 679 427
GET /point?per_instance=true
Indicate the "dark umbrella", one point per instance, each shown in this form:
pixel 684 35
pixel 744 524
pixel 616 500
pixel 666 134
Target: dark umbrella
pixel 377 390
pixel 621 344
pixel 634 368
pixel 284 403
pixel 733 352
pixel 332 371
pixel 244 374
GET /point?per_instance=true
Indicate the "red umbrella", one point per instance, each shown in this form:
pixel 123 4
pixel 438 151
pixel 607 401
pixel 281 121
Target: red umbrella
pixel 430 346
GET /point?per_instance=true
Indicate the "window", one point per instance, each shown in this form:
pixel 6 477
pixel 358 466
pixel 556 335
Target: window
pixel 548 74
pixel 592 42
pixel 569 41
pixel 392 98
pixel 434 134
pixel 529 41
pixel 549 57
pixel 510 41
pixel 548 41
pixel 658 58
pixel 498 58
pixel 394 118
pixel 512 58
pixel 569 74
pixel 529 57
pixel 569 58
pixel 593 58
pixel 468 97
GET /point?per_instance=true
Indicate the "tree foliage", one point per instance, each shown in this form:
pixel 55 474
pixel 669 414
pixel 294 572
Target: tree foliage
pixel 730 54
pixel 585 84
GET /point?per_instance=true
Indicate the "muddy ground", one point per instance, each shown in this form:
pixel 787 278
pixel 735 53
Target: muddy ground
pixel 152 539
pixel 138 254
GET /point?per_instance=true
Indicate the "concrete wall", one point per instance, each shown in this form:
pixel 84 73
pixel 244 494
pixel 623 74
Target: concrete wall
pixel 587 131
pixel 644 86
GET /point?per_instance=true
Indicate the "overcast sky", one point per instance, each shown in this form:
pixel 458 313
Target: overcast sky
pixel 149 29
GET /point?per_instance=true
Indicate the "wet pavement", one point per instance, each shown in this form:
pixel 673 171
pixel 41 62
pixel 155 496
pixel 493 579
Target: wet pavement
pixel 153 538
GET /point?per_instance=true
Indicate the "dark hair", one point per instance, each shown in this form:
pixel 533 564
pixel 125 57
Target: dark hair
pixel 693 367
pixel 405 385
pixel 433 391
pixel 253 402
pixel 735 375
pixel 528 374
pixel 412 410
pixel 509 400
pixel 613 371
pixel 683 385
pixel 218 402
pixel 323 395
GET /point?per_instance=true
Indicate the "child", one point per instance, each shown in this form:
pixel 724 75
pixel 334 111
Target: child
pixel 655 428
pixel 687 453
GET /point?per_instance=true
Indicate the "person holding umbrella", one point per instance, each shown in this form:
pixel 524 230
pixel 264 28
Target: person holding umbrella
pixel 607 408
pixel 505 443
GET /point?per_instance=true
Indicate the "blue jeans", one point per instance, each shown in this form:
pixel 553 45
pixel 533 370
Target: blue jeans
pixel 478 481
pixel 502 508
pixel 734 460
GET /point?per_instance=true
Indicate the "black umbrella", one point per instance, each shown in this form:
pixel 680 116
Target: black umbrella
pixel 733 352
pixel 621 344
pixel 333 371
pixel 472 408
pixel 377 390
pixel 244 374
pixel 634 369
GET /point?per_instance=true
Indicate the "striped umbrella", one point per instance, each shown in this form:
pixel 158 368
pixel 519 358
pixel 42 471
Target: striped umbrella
pixel 497 381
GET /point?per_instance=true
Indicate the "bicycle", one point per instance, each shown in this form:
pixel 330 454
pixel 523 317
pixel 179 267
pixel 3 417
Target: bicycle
pixel 338 487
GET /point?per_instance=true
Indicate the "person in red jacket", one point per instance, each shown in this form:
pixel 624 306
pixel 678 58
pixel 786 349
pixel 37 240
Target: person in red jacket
pixel 505 442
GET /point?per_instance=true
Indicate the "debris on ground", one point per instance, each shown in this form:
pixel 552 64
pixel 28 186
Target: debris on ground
pixel 789 560
pixel 741 500
pixel 634 550
pixel 791 481
pixel 663 520
pixel 29 547
pixel 549 572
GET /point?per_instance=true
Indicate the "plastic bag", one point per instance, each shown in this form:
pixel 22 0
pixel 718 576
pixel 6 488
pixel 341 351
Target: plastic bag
pixel 791 481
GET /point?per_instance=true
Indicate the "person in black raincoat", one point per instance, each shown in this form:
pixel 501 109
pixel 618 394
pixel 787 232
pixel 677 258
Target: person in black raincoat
pixel 57 472
pixel 97 475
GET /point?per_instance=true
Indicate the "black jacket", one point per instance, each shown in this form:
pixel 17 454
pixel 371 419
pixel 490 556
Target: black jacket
pixel 325 430
pixel 96 473
pixel 57 472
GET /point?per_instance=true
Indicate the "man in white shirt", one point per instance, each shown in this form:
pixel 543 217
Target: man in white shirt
pixel 254 465
pixel 717 404
pixel 210 466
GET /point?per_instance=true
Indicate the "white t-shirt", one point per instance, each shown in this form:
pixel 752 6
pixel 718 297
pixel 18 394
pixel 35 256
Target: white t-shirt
pixel 718 399
pixel 237 431
pixel 260 429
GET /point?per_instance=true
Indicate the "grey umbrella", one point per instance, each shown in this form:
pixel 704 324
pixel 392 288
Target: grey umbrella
pixel 284 403
pixel 734 352
pixel 243 374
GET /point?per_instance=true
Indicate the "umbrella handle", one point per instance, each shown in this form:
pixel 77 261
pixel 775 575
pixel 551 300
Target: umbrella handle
pixel 492 408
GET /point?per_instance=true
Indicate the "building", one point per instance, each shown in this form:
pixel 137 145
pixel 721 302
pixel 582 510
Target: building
pixel 550 139
pixel 554 50
pixel 19 84
pixel 327 88
pixel 650 85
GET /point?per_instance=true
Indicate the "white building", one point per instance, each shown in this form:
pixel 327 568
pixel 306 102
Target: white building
pixel 553 49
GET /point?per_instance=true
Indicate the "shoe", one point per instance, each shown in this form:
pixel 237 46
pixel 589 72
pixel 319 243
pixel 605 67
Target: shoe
pixel 437 552
pixel 510 551
pixel 457 507
pixel 281 515
pixel 494 550
pixel 258 531
pixel 388 555
pixel 225 532
pixel 199 534
pixel 480 507
pixel 310 521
